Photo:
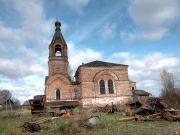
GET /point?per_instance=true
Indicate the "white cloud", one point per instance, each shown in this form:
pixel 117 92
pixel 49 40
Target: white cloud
pixel 108 31
pixel 15 69
pixel 77 56
pixel 154 18
pixel 127 37
pixel 77 5
pixel 146 72
pixel 64 27
pixel 34 25
pixel 24 49
pixel 155 34
pixel 24 88
pixel 7 33
pixel 91 27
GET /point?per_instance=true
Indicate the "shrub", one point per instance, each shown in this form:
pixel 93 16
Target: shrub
pixel 170 93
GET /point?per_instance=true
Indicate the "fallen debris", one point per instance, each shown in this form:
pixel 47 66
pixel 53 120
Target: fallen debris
pixel 149 106
pixel 40 120
pixel 171 115
pixel 150 109
pixel 39 105
pixel 142 118
pixel 83 124
pixel 68 114
pixel 94 121
pixel 34 125
pixel 107 108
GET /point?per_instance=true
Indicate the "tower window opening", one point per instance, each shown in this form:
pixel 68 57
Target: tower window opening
pixel 75 94
pixel 58 50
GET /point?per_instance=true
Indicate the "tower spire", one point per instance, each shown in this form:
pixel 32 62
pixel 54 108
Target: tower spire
pixel 58 35
pixel 58 25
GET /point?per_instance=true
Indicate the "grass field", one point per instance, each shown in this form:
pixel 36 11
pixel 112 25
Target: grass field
pixel 109 126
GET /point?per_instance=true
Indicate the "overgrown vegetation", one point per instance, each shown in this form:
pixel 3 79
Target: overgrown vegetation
pixel 10 114
pixel 109 125
pixel 170 92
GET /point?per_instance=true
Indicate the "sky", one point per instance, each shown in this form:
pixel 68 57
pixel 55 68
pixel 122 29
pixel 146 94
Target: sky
pixel 144 34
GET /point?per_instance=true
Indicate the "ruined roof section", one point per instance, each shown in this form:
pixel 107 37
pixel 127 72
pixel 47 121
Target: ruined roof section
pixel 141 92
pixel 58 37
pixel 100 64
pixel 2 101
pixel 26 103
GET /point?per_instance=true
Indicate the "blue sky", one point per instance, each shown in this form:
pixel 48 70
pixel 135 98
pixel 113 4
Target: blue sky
pixel 142 34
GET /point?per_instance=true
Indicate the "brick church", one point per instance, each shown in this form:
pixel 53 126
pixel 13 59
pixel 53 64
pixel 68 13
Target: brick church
pixel 96 82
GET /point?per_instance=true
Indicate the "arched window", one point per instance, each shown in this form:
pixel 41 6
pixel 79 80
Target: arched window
pixel 102 86
pixel 58 50
pixel 75 94
pixel 57 94
pixel 110 86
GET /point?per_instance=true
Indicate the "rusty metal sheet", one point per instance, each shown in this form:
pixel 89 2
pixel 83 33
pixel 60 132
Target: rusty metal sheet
pixel 151 105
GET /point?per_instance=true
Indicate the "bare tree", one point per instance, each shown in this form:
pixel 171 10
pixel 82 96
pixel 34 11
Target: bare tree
pixel 5 94
pixel 16 102
pixel 170 93
pixel 6 97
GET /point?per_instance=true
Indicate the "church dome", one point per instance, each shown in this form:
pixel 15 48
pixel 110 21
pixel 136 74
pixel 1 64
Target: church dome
pixel 57 23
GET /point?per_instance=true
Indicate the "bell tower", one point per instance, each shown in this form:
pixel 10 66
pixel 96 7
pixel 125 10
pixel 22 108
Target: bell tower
pixel 58 59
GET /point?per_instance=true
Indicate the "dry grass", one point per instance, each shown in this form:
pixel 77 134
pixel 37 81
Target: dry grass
pixel 109 125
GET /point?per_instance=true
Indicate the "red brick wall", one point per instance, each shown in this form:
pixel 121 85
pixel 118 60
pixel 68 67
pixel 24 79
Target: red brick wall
pixel 88 88
pixel 89 78
pixel 63 84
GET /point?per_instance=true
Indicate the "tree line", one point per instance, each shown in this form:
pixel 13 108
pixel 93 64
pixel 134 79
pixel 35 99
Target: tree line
pixel 170 91
pixel 7 101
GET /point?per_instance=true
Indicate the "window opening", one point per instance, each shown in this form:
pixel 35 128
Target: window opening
pixel 58 50
pixel 110 86
pixel 75 94
pixel 57 94
pixel 102 86
pixel 58 70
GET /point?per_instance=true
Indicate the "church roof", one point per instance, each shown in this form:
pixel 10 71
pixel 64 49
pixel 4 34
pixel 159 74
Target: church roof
pixel 101 64
pixel 26 103
pixel 98 63
pixel 3 101
pixel 58 37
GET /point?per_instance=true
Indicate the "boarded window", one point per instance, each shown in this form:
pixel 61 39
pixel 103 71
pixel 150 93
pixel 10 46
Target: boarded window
pixel 57 94
pixel 110 86
pixel 75 93
pixel 102 86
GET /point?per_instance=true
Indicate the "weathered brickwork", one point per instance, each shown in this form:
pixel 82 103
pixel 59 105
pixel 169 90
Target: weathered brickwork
pixel 86 88
pixel 89 80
